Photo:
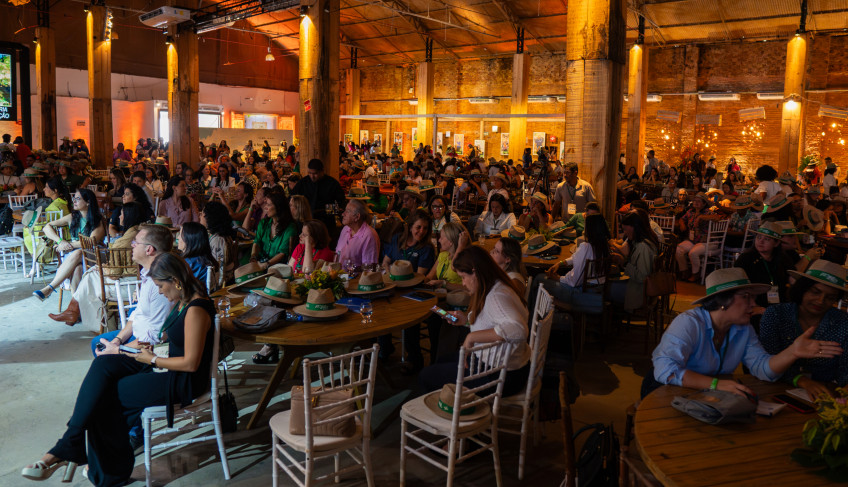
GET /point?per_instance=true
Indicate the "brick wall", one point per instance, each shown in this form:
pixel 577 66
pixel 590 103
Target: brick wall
pixel 745 68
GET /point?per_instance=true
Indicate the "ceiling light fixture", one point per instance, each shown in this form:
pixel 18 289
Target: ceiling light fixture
pixel 269 56
pixel 304 10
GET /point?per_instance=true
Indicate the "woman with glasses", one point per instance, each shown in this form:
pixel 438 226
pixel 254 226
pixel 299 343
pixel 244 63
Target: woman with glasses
pixel 84 220
pixel 711 340
pixel 439 209
pixel 811 306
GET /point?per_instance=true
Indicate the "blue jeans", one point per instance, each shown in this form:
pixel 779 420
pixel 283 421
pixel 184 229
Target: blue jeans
pixel 109 336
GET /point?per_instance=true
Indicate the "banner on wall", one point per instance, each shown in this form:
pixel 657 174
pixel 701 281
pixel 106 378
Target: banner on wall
pixel 363 136
pixel 538 141
pixel 561 150
pixel 459 143
pixel 348 138
pixel 398 140
pixel 8 94
pixel 504 144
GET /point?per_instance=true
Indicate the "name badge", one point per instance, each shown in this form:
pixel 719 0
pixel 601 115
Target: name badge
pixel 572 209
pixel 773 297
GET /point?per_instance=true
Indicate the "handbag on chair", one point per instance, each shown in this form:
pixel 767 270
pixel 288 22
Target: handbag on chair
pixel 345 427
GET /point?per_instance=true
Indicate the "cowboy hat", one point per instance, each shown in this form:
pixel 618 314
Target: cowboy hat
pixel 165 221
pixel 557 227
pixel 247 274
pixel 660 204
pixel 403 275
pixel 278 290
pixel 770 229
pixel 370 283
pixel 357 193
pixel 788 228
pixel 31 173
pixel 414 191
pixel 283 271
pixel 426 185
pixel 742 202
pixel 542 198
pixel 814 218
pixel 320 303
pixel 516 232
pixel 536 245
pixel 776 202
pixel 730 279
pixel 441 402
pixel 825 272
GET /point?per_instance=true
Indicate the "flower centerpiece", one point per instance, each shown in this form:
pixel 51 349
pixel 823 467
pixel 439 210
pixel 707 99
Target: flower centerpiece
pixel 826 438
pixel 322 280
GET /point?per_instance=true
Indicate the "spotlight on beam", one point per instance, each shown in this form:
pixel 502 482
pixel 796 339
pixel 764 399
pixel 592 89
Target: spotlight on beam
pixel 304 10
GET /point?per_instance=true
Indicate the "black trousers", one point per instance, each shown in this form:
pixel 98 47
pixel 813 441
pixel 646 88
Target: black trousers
pixel 112 396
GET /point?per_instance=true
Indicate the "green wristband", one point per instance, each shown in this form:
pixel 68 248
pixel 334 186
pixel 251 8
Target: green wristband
pixel 795 380
pixel 714 384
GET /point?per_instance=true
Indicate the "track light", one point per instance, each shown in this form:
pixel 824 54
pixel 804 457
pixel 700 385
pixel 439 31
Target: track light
pixel 35 40
pixel 169 40
pixel 304 10
pixel 86 7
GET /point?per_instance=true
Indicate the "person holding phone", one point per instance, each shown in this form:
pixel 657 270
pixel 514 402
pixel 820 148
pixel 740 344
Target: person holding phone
pixel 711 340
pixel 811 306
pixel 119 385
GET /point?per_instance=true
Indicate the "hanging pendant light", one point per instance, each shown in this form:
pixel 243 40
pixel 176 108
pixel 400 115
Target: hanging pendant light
pixel 269 56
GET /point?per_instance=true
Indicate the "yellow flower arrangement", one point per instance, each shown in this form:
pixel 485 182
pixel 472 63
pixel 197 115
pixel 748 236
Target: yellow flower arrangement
pixel 826 438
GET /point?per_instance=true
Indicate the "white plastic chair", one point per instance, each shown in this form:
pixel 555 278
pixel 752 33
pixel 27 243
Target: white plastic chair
pixel 191 412
pixel 349 371
pixel 126 295
pixel 730 254
pixel 17 203
pixel 12 251
pixel 453 432
pixel 716 233
pixel 528 399
pixel 665 222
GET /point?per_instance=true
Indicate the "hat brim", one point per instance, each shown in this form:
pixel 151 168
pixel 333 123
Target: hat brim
pixel 277 298
pixel 361 198
pixel 337 310
pixel 795 273
pixel 526 248
pixel 353 284
pixel 772 209
pixel 410 282
pixel 741 207
pixel 233 287
pixel 814 227
pixel 431 400
pixel 755 288
pixel 758 232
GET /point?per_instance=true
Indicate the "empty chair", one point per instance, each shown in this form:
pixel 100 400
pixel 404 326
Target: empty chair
pixel 716 234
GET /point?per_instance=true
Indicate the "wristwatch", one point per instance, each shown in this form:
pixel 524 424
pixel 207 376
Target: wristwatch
pixel 153 360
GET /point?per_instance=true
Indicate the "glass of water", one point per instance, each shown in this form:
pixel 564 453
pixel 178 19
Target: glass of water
pixel 366 310
pixel 224 306
pixel 481 239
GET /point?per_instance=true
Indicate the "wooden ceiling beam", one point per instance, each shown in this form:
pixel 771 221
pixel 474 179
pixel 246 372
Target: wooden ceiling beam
pixel 419 26
pixel 517 22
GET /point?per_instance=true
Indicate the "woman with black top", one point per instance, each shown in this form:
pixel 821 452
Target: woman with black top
pixel 765 263
pixel 118 385
pixel 132 193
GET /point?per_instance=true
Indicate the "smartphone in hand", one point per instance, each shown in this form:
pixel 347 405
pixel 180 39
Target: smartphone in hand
pixel 444 314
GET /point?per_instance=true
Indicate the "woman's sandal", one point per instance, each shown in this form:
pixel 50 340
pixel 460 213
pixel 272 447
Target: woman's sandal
pixel 40 295
pixel 42 471
pixel 272 357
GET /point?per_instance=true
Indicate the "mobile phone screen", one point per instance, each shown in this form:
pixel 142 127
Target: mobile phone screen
pixel 128 349
pixel 443 313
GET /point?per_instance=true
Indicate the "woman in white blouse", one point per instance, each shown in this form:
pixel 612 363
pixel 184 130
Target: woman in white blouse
pixel 497 218
pixel 497 312
pixel 568 288
pixel 224 180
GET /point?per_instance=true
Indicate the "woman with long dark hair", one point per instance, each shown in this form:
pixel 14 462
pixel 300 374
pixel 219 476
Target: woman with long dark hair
pixel 222 236
pixel 275 233
pixel 497 312
pixel 240 205
pixel 132 194
pixel 413 244
pixel 176 205
pixel 642 246
pixel 507 254
pixel 193 242
pixel 118 385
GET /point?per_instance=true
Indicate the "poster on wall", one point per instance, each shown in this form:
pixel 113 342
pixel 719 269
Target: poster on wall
pixel 504 144
pixel 378 140
pixel 561 150
pixel 348 138
pixel 363 136
pixel 440 137
pixel 481 147
pixel 538 141
pixel 459 143
pixel 414 137
pixel 8 97
pixel 399 140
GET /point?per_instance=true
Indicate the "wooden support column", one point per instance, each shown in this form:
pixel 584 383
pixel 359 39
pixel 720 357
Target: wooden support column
pixel 319 85
pixel 99 87
pixel 518 105
pixel 45 82
pixel 792 123
pixel 424 91
pixel 690 98
pixel 183 106
pixel 595 58
pixel 637 97
pixel 352 103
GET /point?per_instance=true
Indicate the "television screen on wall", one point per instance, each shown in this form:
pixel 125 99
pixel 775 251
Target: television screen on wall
pixel 8 97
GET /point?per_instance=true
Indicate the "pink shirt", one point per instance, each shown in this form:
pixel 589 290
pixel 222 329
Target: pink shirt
pixel 325 254
pixel 361 248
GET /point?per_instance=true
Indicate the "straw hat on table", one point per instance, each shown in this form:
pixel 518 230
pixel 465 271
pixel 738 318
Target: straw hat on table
pixel 370 283
pixel 402 274
pixel 320 303
pixel 249 276
pixel 278 290
pixel 536 245
pixel 516 232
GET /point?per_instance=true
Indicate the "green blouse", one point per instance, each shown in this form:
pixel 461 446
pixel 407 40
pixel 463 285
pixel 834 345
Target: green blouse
pixel 268 247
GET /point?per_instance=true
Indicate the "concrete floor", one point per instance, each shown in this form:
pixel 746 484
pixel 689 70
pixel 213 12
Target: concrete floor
pixel 43 362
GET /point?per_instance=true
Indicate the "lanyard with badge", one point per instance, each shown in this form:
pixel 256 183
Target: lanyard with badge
pixel 773 296
pixel 572 193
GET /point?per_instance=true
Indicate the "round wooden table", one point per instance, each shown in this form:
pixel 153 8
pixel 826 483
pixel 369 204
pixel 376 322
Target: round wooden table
pixel 530 260
pixel 682 451
pixel 298 339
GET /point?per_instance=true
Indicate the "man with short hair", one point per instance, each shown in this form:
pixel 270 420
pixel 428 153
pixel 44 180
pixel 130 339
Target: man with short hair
pixel 321 190
pixel 358 241
pixel 651 162
pixel 572 193
pixel 144 323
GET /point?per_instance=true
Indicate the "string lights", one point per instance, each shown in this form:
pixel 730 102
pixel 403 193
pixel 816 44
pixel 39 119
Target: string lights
pixel 706 139
pixel 668 143
pixel 753 131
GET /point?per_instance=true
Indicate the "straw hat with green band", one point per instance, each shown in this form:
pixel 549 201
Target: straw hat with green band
pixel 660 204
pixel 246 277
pixel 31 173
pixel 786 178
pixel 426 185
pixel 369 283
pixel 776 202
pixel 516 232
pixel 825 272
pixel 557 227
pixel 742 202
pixel 278 290
pixel 730 279
pixel 536 244
pixel 357 193
pixel 402 274
pixel 813 217
pixel 770 229
pixel 441 403
pixel 320 303
pixel 788 228
pixel 542 198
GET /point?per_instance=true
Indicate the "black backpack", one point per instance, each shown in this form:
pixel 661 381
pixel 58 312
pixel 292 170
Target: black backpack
pixel 6 221
pixel 597 464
